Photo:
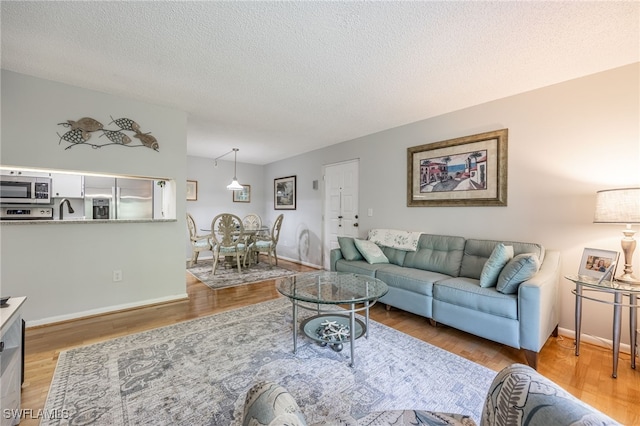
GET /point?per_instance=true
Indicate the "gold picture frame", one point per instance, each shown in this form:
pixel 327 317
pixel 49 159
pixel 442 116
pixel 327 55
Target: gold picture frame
pixel 192 190
pixel 466 171
pixel 243 195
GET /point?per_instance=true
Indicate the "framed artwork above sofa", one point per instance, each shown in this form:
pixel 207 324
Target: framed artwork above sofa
pixel 466 171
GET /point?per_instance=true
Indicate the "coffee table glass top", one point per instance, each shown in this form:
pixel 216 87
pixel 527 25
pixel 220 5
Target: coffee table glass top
pixel 331 287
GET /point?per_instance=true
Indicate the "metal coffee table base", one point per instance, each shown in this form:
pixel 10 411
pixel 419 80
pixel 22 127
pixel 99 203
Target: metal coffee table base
pixel 353 334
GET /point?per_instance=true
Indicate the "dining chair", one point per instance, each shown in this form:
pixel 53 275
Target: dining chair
pixel 268 244
pixel 199 243
pixel 252 221
pixel 227 233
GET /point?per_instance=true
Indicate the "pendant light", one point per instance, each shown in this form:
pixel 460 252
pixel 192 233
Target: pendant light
pixel 234 185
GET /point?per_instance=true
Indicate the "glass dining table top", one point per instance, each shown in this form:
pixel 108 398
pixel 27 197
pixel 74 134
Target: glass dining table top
pixel 331 287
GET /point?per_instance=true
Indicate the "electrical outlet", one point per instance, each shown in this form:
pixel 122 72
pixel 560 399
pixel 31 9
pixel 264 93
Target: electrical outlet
pixel 117 275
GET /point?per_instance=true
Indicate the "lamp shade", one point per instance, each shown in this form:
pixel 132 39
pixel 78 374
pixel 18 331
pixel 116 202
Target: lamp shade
pixel 618 206
pixel 234 185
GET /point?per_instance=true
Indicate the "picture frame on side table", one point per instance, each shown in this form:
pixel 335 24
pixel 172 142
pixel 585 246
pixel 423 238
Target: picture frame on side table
pixel 243 195
pixel 284 193
pixel 598 263
pixel 192 190
pixel 466 171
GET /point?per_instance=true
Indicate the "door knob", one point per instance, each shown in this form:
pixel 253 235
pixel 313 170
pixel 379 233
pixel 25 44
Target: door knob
pixel 355 224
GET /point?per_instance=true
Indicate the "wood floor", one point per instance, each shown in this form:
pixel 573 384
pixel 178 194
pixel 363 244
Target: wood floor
pixel 588 376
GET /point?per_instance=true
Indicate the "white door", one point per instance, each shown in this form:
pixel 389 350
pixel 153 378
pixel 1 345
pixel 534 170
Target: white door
pixel 340 205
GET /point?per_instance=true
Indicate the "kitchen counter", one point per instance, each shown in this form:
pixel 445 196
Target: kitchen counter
pixel 80 221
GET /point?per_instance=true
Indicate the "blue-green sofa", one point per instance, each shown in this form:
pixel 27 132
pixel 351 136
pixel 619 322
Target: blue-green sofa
pixel 440 280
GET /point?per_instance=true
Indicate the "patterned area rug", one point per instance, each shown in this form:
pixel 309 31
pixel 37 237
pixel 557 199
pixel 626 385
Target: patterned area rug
pixel 228 277
pixel 198 372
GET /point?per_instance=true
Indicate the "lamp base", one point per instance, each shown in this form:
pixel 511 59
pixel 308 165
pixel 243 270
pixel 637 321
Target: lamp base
pixel 628 279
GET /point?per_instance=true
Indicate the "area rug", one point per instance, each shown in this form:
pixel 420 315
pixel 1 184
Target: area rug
pixel 198 372
pixel 229 277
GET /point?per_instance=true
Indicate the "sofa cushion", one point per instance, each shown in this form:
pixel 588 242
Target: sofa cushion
pixel 437 253
pixel 500 256
pixel 361 267
pixel 349 249
pixel 476 253
pixel 395 256
pixel 411 279
pixel 466 292
pixel 518 270
pixel 371 252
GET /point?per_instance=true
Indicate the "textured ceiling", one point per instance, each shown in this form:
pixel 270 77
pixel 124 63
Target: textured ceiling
pixel 276 79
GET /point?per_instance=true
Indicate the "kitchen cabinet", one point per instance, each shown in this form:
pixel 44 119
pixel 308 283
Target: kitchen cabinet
pixel 11 360
pixel 67 185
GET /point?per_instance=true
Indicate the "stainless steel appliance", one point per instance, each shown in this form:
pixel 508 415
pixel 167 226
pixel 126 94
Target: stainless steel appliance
pixel 25 190
pixel 26 213
pixel 101 208
pixel 120 198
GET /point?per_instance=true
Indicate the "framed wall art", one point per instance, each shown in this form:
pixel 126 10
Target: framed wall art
pixel 192 190
pixel 243 195
pixel 284 193
pixel 598 264
pixel 467 171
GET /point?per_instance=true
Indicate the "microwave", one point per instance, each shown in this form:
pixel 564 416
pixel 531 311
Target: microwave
pixel 25 190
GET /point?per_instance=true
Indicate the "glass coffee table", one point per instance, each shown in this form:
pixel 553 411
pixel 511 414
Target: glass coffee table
pixel 322 292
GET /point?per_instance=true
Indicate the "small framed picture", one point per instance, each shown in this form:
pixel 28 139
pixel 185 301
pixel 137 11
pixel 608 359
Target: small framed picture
pixel 192 190
pixel 243 195
pixel 598 263
pixel 284 193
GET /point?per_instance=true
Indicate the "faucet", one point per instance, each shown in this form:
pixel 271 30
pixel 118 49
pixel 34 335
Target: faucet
pixel 61 205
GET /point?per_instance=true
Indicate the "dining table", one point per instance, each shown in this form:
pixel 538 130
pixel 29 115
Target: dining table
pixel 251 233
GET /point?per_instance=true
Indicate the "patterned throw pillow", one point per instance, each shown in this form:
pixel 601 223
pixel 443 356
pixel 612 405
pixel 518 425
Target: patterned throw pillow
pixel 348 249
pixel 500 256
pixel 518 270
pixel 371 252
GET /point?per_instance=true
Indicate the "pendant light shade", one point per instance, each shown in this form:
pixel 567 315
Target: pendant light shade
pixel 234 185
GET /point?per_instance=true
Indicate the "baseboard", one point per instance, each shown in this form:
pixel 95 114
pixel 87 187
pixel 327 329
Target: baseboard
pixel 311 265
pixel 106 310
pixel 594 340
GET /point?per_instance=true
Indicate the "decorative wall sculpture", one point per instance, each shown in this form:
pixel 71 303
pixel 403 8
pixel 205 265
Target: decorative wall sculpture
pixel 82 130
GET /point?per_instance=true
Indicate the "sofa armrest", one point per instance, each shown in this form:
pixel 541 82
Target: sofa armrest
pixel 520 395
pixel 538 304
pixel 270 404
pixel 334 256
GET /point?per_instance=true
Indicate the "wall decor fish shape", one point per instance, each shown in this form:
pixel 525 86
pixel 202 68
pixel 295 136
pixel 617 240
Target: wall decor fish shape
pixel 81 130
pixel 85 123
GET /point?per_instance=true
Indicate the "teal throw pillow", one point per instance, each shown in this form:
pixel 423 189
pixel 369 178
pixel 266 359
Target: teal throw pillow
pixel 348 249
pixel 371 252
pixel 500 256
pixel 518 270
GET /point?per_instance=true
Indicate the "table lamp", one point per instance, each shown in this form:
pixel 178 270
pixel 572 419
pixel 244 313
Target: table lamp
pixel 621 206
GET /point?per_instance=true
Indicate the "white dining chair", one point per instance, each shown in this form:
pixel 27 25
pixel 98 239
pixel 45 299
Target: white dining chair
pixel 199 243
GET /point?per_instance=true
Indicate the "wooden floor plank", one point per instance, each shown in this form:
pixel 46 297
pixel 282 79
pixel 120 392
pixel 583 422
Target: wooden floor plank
pixel 588 376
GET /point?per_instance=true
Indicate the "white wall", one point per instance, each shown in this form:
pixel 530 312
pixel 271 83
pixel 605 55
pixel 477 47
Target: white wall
pixel 65 270
pixel 214 197
pixel 566 142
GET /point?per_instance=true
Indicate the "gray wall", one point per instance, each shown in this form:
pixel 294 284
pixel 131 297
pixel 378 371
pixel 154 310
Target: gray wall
pixel 566 142
pixel 65 270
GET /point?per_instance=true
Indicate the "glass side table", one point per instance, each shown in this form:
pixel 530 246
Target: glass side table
pixel 619 290
pixel 321 292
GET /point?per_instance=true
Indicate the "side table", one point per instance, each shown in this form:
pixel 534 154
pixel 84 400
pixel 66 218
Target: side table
pixel 619 290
